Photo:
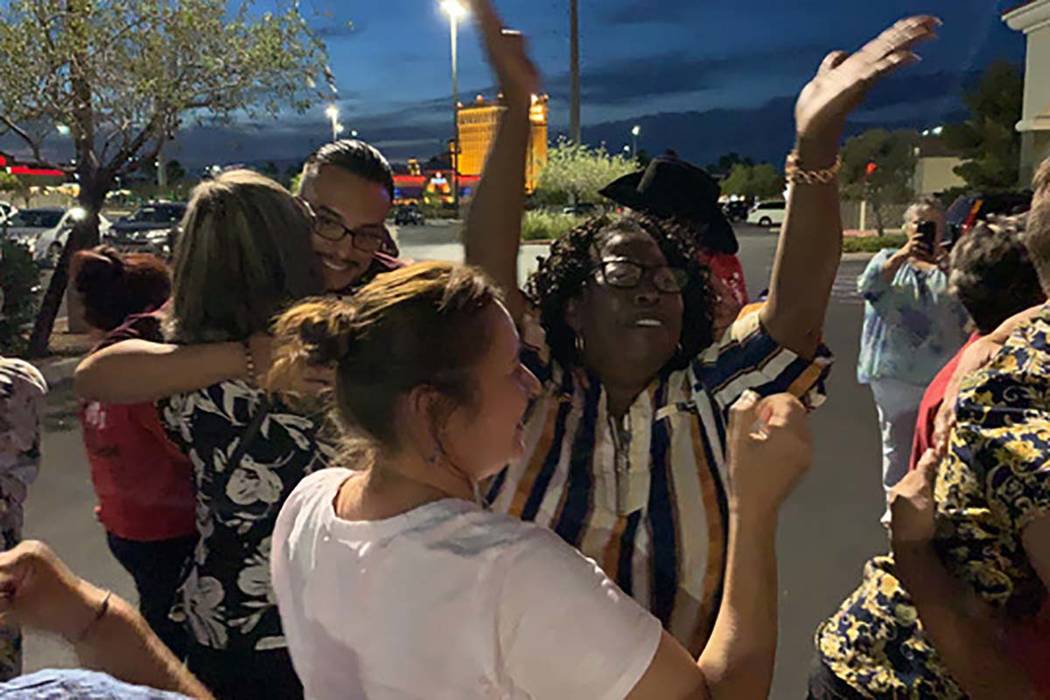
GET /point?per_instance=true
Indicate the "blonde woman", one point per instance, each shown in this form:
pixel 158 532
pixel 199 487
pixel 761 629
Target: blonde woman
pixel 244 256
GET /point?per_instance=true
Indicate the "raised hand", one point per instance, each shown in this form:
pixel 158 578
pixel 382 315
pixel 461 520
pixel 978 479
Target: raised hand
pixel 508 54
pixel 844 79
pixel 770 448
pixel 39 591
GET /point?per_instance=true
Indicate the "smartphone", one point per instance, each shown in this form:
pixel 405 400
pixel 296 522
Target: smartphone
pixel 927 234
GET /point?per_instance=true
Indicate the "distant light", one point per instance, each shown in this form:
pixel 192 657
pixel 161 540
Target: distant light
pixel 454 9
pixel 332 112
pixel 62 129
pixel 636 131
pixel 339 128
pixel 78 213
pixel 353 133
pixel 626 149
pixel 938 131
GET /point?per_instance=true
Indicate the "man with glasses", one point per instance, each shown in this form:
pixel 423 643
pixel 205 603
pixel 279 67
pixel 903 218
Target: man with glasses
pixel 349 185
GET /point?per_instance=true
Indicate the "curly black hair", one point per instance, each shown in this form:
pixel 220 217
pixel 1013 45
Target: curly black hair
pixel 562 275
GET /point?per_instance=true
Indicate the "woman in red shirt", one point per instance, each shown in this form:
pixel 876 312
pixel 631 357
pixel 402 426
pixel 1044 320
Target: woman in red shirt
pixel 143 482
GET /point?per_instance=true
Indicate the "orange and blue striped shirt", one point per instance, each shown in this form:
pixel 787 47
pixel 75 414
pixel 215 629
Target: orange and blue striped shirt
pixel 646 498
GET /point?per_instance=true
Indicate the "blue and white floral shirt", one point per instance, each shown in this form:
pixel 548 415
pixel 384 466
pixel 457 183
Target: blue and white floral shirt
pixel 912 325
pixel 226 598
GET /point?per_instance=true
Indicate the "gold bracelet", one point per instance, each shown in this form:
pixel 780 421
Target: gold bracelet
pixel 102 610
pixel 795 174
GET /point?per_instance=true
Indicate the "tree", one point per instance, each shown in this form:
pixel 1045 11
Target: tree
pixel 878 167
pixel 176 173
pixel 760 181
pixel 989 141
pixel 576 172
pixel 727 162
pixel 121 76
pixel 269 169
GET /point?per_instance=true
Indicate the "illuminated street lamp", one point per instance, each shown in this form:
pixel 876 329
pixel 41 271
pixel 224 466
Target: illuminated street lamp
pixel 456 12
pixel 635 133
pixel 332 112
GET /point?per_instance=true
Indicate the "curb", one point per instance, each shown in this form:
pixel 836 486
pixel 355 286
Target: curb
pixel 857 257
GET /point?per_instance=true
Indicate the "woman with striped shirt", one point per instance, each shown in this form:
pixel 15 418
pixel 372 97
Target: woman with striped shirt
pixel 625 446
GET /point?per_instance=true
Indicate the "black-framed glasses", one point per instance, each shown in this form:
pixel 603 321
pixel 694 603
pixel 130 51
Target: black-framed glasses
pixel 627 274
pixel 368 238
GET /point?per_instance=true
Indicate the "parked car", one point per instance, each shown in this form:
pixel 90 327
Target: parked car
pixel 768 214
pixel 967 210
pixel 409 215
pixel 736 210
pixel 153 228
pixel 45 230
pixel 581 209
pixel 6 210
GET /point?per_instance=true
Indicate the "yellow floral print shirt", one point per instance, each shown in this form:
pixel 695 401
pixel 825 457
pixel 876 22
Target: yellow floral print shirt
pixel 994 482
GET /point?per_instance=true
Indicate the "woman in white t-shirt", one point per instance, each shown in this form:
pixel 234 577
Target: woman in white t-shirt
pixel 392 582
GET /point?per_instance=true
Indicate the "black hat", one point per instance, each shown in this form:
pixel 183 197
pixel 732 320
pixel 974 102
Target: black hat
pixel 671 188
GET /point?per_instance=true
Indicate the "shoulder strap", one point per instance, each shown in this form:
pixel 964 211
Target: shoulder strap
pixel 249 434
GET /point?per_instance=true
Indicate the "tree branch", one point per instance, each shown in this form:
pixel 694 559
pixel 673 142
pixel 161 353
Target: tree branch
pixel 24 135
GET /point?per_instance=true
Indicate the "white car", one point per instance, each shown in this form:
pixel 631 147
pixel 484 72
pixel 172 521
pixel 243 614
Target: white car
pixel 45 230
pixel 768 214
pixel 6 210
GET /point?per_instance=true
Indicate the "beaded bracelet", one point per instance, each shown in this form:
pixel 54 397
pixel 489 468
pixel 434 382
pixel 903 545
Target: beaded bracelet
pixel 249 364
pixel 794 173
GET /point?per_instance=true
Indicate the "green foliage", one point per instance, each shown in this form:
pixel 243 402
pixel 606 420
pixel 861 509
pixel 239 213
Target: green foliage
pixel 18 276
pixel 175 171
pixel 757 181
pixel 872 244
pixel 540 225
pixel 725 164
pixel 989 141
pixel 120 77
pixel 891 183
pixel 15 187
pixel 575 172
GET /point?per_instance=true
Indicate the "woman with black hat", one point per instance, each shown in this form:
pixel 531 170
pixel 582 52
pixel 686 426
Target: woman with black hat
pixel 625 447
pixel 671 189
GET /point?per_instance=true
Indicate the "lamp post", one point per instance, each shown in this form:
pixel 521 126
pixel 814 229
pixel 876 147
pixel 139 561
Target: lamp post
pixel 455 12
pixel 332 112
pixel 635 133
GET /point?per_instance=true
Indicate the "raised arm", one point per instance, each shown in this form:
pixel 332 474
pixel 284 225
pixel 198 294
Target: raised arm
pixel 138 371
pixel 810 246
pixel 493 231
pixel 770 449
pixel 37 590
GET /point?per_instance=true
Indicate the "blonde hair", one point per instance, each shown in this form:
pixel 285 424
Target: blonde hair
pixel 422 325
pixel 1041 182
pixel 244 255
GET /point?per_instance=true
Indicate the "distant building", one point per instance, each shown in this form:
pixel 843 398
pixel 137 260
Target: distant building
pixel 477 124
pixel 1033 18
pixel 935 168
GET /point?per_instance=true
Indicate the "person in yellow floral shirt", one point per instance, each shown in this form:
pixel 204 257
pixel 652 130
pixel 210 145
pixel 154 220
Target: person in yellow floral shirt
pixel 989 546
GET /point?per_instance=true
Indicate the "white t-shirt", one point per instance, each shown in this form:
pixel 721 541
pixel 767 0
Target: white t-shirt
pixel 448 601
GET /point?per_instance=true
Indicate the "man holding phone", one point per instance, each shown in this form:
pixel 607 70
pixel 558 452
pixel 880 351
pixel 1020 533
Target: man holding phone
pixel 912 327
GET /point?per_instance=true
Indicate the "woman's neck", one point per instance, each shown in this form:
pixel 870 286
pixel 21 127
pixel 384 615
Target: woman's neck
pixel 396 486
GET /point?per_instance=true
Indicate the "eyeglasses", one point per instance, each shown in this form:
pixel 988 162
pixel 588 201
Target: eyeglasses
pixel 368 238
pixel 627 274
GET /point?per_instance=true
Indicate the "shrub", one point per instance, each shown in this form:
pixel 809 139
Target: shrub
pixel 19 276
pixel 544 225
pixel 872 244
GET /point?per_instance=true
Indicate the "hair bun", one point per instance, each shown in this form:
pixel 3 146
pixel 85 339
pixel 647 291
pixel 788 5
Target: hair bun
pixel 327 340
pixel 100 268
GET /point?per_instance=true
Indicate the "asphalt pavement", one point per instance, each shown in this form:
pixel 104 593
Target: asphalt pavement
pixel 828 528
